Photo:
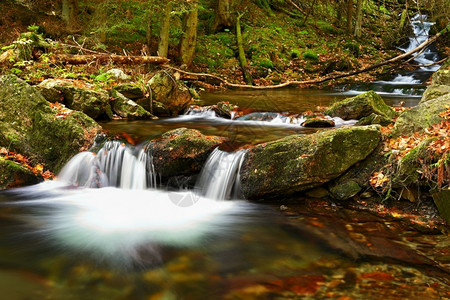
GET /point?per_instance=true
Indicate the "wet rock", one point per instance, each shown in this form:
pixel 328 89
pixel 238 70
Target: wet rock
pixel 318 192
pixel 129 90
pixel 421 116
pixel 299 162
pixel 259 116
pixel 374 119
pixel 441 77
pixel 127 108
pixel 434 91
pixel 361 106
pixel 224 109
pixel 171 92
pixel 442 200
pixel 28 125
pixel 13 174
pixel 344 190
pixel 318 122
pixel 181 151
pixel 79 96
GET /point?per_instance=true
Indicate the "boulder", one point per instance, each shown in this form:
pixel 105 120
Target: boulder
pixel 442 200
pixel 435 91
pixel 14 175
pixel 441 77
pixel 174 94
pixel 421 116
pixel 300 162
pixel 127 108
pixel 374 119
pixel 181 151
pixel 79 96
pixel 361 106
pixel 118 74
pixel 129 90
pixel 28 125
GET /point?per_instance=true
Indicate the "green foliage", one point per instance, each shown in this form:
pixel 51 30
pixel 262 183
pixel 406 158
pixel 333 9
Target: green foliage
pixel 310 55
pixel 265 63
pixel 353 48
pixel 16 71
pixel 33 28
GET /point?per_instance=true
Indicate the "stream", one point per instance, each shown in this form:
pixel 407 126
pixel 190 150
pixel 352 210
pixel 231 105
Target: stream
pixel 106 229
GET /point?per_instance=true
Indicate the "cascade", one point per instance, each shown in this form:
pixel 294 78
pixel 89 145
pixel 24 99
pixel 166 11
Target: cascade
pixel 219 178
pixel 114 165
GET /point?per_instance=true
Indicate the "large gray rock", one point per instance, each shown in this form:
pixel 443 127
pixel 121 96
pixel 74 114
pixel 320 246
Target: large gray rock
pixel 421 116
pixel 361 106
pixel 435 91
pixel 174 94
pixel 127 108
pixel 78 96
pixel 28 125
pixel 181 151
pixel 300 162
pixel 441 77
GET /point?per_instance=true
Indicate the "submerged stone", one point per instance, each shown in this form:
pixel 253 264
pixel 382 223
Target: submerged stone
pixel 181 151
pixel 361 106
pixel 318 122
pixel 28 125
pixel 299 162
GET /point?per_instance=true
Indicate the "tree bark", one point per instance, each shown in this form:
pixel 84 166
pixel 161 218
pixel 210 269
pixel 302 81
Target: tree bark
pixel 359 16
pixel 349 15
pixel 101 13
pixel 70 13
pixel 163 47
pixel 105 59
pixel 242 59
pixel 189 37
pixel 223 15
pixel 148 31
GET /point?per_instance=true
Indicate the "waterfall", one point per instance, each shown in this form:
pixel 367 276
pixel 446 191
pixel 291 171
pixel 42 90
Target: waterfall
pixel 114 165
pixel 219 178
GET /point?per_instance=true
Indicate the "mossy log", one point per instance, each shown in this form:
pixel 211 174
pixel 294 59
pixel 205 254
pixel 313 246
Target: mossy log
pixel 105 59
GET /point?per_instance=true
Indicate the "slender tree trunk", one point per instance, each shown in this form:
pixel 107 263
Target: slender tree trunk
pixel 70 13
pixel 223 15
pixel 349 15
pixel 163 47
pixel 101 14
pixel 359 16
pixel 148 32
pixel 189 37
pixel 242 59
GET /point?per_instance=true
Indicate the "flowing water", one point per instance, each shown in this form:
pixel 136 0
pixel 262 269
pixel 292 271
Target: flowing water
pixel 107 229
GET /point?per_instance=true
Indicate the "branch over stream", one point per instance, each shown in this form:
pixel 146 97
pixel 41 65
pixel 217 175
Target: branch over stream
pixel 216 80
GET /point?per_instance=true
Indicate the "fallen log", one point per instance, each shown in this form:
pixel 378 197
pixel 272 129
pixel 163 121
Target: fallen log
pixel 72 59
pixel 213 78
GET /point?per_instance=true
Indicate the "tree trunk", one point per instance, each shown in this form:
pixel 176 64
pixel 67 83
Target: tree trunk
pixel 359 16
pixel 148 32
pixel 349 15
pixel 70 13
pixel 242 59
pixel 189 37
pixel 163 47
pixel 101 14
pixel 223 15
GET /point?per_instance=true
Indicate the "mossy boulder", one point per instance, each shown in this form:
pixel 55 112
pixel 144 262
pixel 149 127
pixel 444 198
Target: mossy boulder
pixel 435 91
pixel 300 162
pixel 130 90
pixel 361 106
pixel 374 119
pixel 181 151
pixel 421 116
pixel 174 94
pixel 441 77
pixel 344 190
pixel 127 108
pixel 79 96
pixel 28 125
pixel 13 175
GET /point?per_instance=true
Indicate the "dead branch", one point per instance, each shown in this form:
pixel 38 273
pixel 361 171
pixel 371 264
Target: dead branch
pixel 105 59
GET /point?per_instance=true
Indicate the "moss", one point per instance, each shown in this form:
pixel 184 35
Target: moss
pixel 297 163
pixel 13 174
pixel 310 55
pixel 361 106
